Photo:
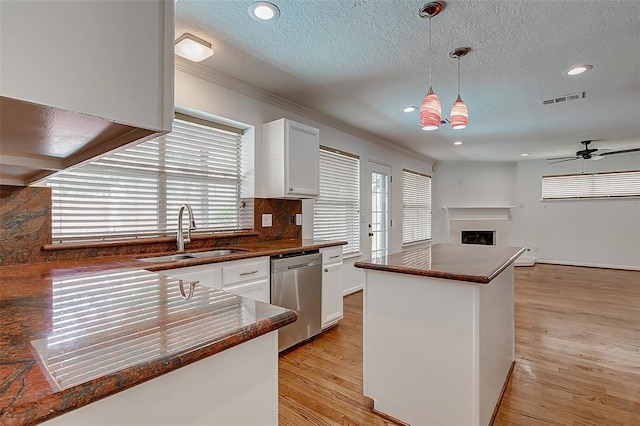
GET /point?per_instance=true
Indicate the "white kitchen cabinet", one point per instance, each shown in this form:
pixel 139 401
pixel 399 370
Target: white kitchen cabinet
pixel 207 275
pixel 332 298
pixel 291 153
pixel 248 278
pixel 80 79
pixel 245 277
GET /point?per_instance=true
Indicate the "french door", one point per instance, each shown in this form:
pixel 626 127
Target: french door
pixel 379 202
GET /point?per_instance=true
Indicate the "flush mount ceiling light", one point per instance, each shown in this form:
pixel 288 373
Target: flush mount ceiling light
pixel 193 48
pixel 457 143
pixel 430 109
pixel 410 108
pixel 525 154
pixel 264 11
pixel 459 112
pixel 579 69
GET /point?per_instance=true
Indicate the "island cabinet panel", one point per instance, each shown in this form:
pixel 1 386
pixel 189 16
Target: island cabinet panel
pixel 437 351
pixel 238 386
pixel 291 152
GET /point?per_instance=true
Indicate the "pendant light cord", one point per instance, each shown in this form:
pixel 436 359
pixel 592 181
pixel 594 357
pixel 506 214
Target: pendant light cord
pixel 458 75
pixel 430 54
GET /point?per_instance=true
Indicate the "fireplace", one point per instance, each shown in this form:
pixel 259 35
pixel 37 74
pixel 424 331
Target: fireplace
pixel 478 237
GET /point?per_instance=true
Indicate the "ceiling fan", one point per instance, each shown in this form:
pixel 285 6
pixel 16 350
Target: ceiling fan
pixel 590 153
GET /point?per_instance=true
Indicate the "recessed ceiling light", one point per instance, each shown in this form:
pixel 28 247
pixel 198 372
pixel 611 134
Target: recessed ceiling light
pixel 526 154
pixel 193 48
pixel 457 143
pixel 410 108
pixel 264 11
pixel 579 69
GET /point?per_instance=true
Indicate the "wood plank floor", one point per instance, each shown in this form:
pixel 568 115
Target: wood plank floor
pixel 577 356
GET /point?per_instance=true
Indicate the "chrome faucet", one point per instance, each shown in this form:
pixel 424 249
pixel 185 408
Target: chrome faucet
pixel 192 225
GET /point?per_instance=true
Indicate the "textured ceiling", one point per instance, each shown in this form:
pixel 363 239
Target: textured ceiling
pixel 362 61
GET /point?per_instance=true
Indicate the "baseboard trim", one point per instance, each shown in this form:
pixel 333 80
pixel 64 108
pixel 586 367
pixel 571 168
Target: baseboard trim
pixel 352 290
pixel 588 264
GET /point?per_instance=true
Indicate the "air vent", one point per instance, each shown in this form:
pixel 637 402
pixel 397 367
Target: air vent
pixel 563 98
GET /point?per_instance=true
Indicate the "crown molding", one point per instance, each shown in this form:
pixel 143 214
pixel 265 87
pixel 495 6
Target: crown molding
pixel 232 83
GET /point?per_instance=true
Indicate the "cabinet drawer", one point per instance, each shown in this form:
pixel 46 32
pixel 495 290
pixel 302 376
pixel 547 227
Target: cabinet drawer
pixel 244 270
pixel 331 255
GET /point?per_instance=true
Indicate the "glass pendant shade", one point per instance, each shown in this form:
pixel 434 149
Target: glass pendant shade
pixel 459 114
pixel 430 111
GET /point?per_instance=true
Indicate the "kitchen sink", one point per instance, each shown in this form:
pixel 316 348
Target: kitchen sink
pixel 170 258
pixel 196 255
pixel 216 253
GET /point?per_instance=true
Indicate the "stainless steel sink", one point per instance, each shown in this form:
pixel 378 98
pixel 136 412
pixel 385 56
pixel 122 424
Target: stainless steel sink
pixel 170 258
pixel 196 255
pixel 216 253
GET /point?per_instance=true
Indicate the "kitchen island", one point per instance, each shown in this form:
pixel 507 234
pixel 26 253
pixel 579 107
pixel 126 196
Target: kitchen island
pixel 109 341
pixel 438 332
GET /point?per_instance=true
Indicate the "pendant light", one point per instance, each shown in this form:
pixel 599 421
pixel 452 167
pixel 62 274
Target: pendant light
pixel 430 110
pixel 459 112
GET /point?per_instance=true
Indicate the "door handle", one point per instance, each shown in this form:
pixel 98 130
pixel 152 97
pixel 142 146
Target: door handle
pixel 371 234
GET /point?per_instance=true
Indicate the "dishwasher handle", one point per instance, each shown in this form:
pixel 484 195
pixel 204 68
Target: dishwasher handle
pixel 300 265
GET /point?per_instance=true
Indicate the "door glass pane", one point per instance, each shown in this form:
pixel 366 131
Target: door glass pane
pixel 379 214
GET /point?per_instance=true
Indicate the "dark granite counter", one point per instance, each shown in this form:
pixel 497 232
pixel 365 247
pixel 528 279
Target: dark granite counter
pixel 460 262
pixel 72 332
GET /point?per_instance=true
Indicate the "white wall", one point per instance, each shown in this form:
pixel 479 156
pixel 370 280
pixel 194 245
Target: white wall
pixel 204 94
pixel 580 232
pixel 468 183
pixel 602 233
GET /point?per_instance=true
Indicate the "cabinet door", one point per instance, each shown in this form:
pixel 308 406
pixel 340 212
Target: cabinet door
pixel 301 165
pixel 332 309
pixel 106 59
pixel 257 290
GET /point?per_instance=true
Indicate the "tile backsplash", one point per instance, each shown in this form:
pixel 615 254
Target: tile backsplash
pixel 25 227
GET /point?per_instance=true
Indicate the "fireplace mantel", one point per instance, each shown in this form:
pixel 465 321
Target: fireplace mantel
pixel 478 212
pixel 478 218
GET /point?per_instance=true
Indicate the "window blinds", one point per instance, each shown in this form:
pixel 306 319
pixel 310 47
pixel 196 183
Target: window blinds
pixel 336 214
pixel 594 185
pixel 416 207
pixel 138 191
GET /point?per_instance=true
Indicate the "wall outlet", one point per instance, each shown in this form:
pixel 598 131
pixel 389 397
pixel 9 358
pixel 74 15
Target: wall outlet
pixel 267 220
pixel 298 219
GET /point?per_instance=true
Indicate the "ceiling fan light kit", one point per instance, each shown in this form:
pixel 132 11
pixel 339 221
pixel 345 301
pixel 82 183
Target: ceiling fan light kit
pixel 430 109
pixel 590 153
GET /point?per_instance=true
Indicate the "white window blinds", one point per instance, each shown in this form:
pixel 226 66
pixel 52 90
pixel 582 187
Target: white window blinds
pixel 416 207
pixel 595 185
pixel 336 213
pixel 138 191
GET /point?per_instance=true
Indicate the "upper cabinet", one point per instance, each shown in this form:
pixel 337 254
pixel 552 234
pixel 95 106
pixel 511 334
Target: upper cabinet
pixel 80 79
pixel 291 153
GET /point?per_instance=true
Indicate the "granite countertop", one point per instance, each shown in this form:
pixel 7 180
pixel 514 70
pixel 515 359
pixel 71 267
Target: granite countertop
pixel 72 332
pixel 459 262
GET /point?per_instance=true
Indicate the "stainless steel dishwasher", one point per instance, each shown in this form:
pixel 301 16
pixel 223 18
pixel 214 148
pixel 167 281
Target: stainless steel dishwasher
pixel 296 283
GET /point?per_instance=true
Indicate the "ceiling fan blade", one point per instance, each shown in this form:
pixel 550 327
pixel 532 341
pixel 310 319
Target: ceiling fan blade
pixel 562 158
pixel 562 161
pixel 623 151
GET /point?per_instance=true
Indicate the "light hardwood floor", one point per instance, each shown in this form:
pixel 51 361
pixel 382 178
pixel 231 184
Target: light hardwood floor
pixel 577 356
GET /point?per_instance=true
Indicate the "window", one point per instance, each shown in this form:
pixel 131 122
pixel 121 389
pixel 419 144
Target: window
pixel 336 212
pixel 593 185
pixel 138 191
pixel 416 207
